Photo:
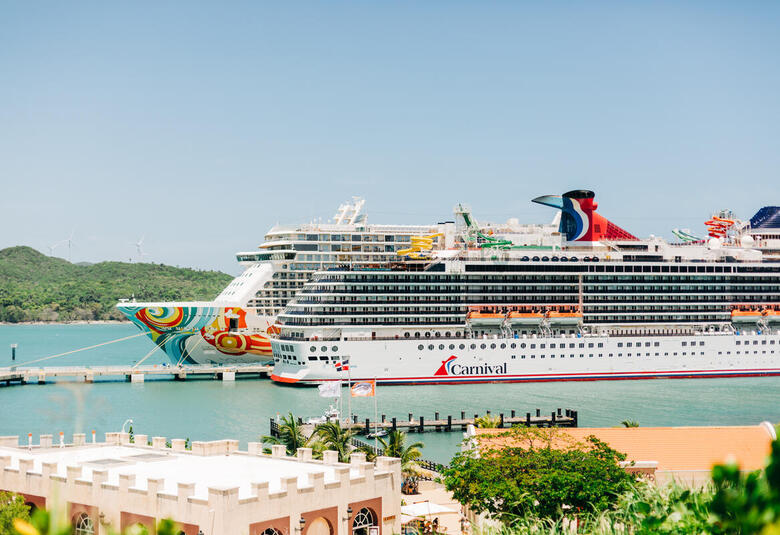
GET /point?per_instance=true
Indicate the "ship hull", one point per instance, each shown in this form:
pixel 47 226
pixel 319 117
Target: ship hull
pixel 203 333
pixel 617 358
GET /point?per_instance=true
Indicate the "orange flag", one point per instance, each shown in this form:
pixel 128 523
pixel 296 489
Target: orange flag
pixel 365 389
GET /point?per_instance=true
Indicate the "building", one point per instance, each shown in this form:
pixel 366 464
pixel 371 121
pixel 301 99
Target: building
pixel 664 454
pixel 210 489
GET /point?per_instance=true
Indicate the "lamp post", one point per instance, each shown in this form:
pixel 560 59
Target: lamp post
pixel 301 525
pixel 348 518
pixel 128 421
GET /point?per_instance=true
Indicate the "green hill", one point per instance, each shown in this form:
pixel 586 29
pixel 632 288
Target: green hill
pixel 36 287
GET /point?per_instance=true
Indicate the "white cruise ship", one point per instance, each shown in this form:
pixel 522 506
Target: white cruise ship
pixel 235 327
pixel 602 304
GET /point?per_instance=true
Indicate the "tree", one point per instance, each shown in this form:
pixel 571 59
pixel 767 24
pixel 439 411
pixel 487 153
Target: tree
pixel 336 438
pixel 11 506
pixel 629 423
pixel 290 435
pixel 487 421
pixel 536 471
pixel 394 445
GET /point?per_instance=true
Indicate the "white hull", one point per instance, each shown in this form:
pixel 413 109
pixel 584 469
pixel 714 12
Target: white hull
pixel 590 358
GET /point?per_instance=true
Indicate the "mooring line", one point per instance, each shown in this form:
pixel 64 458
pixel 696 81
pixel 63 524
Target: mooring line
pixel 82 349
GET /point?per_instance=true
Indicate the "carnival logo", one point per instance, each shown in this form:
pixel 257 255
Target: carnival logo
pixel 450 367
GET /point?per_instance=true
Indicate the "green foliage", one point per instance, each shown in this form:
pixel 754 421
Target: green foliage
pixel 487 421
pixel 290 435
pixel 629 423
pixel 11 506
pixel 44 523
pixel 35 287
pixel 394 445
pixel 335 438
pixel 540 472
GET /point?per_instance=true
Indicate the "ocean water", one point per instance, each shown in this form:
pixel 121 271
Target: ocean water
pixel 209 410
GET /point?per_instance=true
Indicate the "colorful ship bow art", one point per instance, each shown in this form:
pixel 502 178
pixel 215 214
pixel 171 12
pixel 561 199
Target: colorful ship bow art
pixel 183 332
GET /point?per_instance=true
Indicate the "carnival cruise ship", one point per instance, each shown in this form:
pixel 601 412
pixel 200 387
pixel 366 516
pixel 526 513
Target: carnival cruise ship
pixel 601 305
pixel 235 327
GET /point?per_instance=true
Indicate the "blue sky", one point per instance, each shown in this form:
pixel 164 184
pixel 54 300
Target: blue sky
pixel 201 125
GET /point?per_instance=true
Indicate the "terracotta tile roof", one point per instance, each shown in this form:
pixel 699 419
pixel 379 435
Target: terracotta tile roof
pixel 676 448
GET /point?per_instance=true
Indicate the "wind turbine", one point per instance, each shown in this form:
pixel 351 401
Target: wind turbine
pixel 54 246
pixel 70 245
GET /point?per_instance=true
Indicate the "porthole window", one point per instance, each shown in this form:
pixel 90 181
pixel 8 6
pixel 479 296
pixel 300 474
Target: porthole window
pixel 420 347
pixel 430 347
pixel 473 346
pixel 522 346
pixel 492 346
pixel 441 346
pixel 427 335
pixel 482 346
pixel 334 348
pixel 513 345
pixel 406 335
pixel 452 346
pixel 461 346
pixel 503 346
pixel 448 334
pixel 438 334
pixel 312 349
pixel 324 348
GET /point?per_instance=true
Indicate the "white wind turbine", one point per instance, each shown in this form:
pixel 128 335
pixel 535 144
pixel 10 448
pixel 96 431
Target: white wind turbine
pixel 71 245
pixel 54 246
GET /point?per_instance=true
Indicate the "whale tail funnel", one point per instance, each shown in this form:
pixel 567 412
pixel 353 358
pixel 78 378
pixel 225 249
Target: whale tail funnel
pixel 579 220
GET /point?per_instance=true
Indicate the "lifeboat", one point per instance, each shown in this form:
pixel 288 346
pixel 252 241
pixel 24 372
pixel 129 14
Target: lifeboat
pixel 745 316
pixel 564 318
pixel 485 318
pixel 772 315
pixel 525 318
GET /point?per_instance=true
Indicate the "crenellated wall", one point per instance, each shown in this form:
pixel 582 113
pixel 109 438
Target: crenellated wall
pixel 116 506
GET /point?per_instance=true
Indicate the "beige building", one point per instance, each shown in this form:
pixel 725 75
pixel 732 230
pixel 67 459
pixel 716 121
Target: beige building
pixel 213 489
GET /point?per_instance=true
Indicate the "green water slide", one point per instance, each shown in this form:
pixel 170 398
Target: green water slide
pixel 491 242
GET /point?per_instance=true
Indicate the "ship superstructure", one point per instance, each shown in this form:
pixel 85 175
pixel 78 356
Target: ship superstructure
pixel 235 327
pixel 602 305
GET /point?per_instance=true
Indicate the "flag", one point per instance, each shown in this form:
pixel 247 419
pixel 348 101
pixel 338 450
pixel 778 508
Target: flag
pixel 331 389
pixel 342 366
pixel 365 389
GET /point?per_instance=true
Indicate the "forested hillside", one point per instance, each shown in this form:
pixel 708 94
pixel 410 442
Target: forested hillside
pixel 36 287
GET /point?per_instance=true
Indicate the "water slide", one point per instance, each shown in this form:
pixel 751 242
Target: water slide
pixel 421 247
pixel 685 235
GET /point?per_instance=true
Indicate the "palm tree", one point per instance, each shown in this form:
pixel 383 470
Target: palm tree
pixel 394 445
pixel 629 423
pixel 336 438
pixel 487 421
pixel 290 434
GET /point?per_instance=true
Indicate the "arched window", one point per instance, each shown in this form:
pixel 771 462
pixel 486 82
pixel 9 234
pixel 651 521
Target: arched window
pixel 271 531
pixel 83 525
pixel 364 519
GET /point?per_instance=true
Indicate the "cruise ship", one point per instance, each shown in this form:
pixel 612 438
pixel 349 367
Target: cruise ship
pixel 600 304
pixel 235 327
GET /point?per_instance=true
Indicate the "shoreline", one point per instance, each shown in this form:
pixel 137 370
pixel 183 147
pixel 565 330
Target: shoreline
pixel 74 322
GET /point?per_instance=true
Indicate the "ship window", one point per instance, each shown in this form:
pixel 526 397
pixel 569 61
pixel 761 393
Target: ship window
pixel 503 346
pixel 323 357
pixel 590 345
pixel 430 347
pixel 533 346
pixel 482 346
pixel 601 344
pixel 571 346
pixel 552 346
pixel 620 344
pixel 492 346
pixel 324 348
pixel 461 346
pixel 656 344
pixel 416 335
pixel 420 347
pixel 312 348
pixel 513 345
pixel 629 344
pixel 685 344
pixel 312 357
pixel 441 346
pixel 532 356
pixel 755 342
pixel 452 346
pixel 473 346
pixel 334 348
pixel 647 344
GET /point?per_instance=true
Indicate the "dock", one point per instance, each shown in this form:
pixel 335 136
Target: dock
pixel 133 374
pixel 419 424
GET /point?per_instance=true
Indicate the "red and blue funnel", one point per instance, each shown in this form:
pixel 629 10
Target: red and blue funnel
pixel 579 220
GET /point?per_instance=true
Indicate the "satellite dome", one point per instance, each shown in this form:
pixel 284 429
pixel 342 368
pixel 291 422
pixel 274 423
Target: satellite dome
pixel 747 241
pixel 713 243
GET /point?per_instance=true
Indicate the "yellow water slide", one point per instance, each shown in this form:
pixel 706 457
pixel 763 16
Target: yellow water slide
pixel 421 247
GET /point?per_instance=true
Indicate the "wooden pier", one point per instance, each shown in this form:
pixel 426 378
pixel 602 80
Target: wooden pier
pixel 419 424
pixel 137 374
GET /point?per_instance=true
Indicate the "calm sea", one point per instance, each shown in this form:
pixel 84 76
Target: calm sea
pixel 209 410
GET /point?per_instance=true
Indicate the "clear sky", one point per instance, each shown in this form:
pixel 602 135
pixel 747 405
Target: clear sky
pixel 199 126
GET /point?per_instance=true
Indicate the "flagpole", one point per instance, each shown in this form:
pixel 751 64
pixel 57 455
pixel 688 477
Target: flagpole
pixel 349 400
pixel 375 418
